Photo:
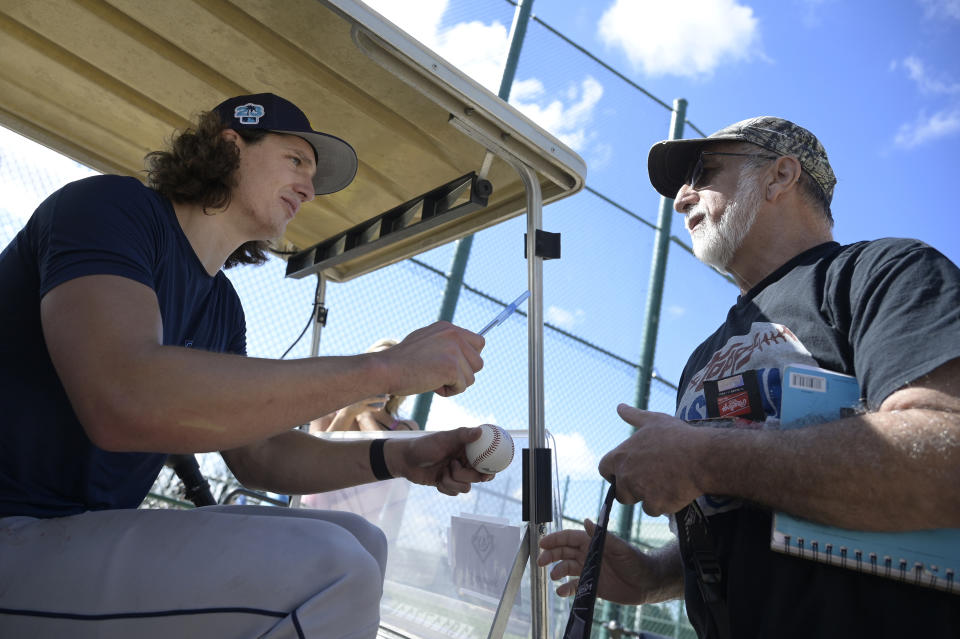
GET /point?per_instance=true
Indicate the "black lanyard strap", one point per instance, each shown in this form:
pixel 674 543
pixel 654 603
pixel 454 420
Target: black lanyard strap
pixel 581 612
pixel 695 539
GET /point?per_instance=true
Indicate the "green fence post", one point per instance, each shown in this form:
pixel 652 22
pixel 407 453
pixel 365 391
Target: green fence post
pixel 451 294
pixel 458 266
pixel 658 269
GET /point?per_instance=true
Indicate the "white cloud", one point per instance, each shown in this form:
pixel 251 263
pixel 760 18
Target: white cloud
pixel 575 457
pixel 563 318
pixel 447 414
pixel 812 9
pixel 927 82
pixel 926 128
pixel 477 49
pixel 945 121
pixel 676 311
pixel 567 122
pixel 941 8
pixel 480 51
pixel 600 156
pixel 419 18
pixel 683 37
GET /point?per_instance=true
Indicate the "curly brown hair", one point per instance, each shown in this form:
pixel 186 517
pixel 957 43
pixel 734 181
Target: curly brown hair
pixel 200 168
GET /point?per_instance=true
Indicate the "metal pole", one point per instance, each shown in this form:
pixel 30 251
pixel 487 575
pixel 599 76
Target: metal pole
pixel 314 347
pixel 537 431
pixel 518 32
pixel 658 269
pixel 458 266
pixel 317 318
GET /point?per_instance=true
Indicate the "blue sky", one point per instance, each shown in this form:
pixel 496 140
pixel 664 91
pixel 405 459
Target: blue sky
pixel 877 82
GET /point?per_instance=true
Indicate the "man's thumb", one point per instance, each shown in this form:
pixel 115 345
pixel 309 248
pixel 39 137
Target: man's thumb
pixel 589 526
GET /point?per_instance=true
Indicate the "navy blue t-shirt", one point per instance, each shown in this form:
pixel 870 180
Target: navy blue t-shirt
pixel 100 225
pixel 886 312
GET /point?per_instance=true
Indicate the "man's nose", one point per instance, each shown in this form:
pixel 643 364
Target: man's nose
pixel 305 190
pixel 687 196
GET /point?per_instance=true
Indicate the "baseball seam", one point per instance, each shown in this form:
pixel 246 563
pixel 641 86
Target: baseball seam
pixel 489 449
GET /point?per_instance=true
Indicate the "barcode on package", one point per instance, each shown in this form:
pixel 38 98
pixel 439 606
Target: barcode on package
pixel 807 382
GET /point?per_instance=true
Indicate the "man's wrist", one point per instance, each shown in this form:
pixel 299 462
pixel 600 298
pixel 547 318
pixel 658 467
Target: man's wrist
pixel 376 370
pixel 378 460
pixel 393 456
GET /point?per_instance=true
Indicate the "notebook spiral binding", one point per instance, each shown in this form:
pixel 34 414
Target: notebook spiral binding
pixel 921 574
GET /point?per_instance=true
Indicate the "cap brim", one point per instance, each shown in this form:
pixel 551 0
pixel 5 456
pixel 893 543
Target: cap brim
pixel 336 161
pixel 668 162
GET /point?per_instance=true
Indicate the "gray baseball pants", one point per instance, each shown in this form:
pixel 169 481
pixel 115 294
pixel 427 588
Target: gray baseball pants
pixel 218 571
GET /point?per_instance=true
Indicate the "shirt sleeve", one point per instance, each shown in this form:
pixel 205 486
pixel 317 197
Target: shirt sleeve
pixel 904 314
pixel 238 341
pixel 107 225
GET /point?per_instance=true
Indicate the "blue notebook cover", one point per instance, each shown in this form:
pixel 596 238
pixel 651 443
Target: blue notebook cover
pixel 925 557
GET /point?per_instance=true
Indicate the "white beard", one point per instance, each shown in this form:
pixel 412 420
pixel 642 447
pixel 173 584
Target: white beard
pixel 715 243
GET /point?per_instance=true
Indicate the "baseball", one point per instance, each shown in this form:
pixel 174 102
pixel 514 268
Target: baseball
pixel 492 452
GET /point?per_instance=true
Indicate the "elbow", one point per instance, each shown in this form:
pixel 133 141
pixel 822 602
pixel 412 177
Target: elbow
pixel 108 436
pixel 242 463
pixel 114 423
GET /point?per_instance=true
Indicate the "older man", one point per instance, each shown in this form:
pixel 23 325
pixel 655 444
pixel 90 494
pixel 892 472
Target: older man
pixel 755 197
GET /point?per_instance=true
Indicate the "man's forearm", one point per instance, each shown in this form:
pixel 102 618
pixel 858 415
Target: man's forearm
pixel 180 401
pixel 131 393
pixel 670 574
pixel 879 471
pixel 295 463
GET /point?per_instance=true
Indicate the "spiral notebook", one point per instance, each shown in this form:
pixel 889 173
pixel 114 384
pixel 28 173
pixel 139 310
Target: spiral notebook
pixel 926 557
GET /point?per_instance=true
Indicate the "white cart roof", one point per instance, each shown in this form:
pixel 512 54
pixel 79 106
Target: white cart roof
pixel 105 82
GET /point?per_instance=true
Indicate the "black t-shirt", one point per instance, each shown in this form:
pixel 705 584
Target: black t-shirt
pixel 886 312
pixel 100 225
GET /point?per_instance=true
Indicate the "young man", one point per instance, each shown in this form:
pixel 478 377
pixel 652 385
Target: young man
pixel 123 341
pixel 755 197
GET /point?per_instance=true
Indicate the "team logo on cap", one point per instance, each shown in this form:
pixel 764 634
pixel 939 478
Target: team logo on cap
pixel 249 113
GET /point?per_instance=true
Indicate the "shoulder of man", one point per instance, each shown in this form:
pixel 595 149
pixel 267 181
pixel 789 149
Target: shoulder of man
pixel 108 185
pixel 111 197
pixel 874 255
pixel 886 246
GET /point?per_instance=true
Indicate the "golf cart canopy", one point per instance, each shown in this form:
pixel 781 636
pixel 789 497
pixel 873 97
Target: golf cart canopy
pixel 107 81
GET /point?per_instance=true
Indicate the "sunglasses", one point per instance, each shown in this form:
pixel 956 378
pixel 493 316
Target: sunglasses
pixel 696 172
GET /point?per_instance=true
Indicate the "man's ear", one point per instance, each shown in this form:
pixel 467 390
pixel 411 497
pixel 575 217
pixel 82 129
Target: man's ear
pixel 786 173
pixel 232 136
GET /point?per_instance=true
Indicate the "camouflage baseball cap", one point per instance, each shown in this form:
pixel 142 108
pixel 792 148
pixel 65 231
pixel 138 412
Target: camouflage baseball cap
pixel 669 160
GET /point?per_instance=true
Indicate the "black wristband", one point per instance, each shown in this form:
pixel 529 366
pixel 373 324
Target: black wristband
pixel 378 463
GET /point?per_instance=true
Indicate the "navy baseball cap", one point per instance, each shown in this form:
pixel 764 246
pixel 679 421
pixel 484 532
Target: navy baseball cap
pixel 336 160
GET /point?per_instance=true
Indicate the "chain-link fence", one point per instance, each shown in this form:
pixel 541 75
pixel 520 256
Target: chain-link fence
pixel 595 299
pixel 391 302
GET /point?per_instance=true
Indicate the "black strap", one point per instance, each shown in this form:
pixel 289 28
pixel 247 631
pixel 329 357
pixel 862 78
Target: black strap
pixel 580 622
pixel 378 463
pixel 195 486
pixel 695 539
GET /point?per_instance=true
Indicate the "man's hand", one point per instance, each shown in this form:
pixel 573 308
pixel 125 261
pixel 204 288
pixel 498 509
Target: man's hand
pixel 440 357
pixel 656 464
pixel 627 576
pixel 438 459
pixel 371 403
